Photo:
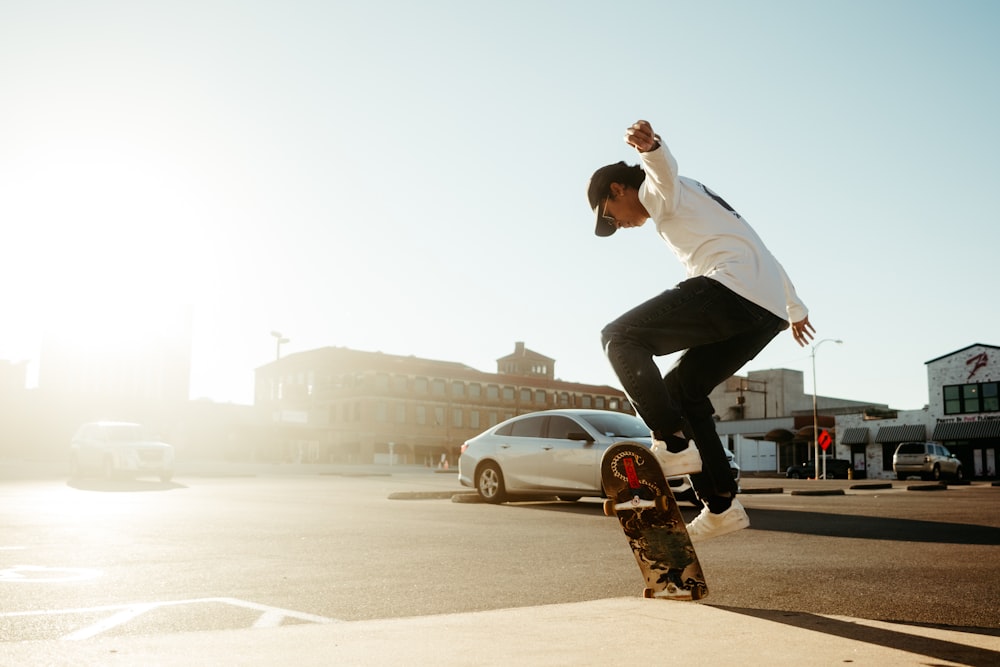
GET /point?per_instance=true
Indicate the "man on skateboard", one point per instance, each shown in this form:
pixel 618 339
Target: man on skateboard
pixel 735 300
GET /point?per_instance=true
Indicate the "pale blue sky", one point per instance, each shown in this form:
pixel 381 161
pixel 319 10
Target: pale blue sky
pixel 410 177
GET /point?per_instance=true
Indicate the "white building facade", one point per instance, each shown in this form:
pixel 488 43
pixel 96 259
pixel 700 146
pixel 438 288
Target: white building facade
pixel 962 413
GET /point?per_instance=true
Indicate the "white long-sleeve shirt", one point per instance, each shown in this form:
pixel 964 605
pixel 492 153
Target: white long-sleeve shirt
pixel 710 239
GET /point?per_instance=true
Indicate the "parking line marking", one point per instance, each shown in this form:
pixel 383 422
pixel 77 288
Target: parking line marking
pixel 40 574
pixel 122 617
pixel 270 617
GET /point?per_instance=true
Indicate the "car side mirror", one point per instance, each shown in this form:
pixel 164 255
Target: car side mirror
pixel 579 435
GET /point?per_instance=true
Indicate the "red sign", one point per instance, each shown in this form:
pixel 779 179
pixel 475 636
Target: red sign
pixel 824 439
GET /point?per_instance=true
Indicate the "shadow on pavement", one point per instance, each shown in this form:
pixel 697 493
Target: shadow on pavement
pixel 871 528
pixel 583 507
pixel 122 485
pixel 816 523
pixel 900 641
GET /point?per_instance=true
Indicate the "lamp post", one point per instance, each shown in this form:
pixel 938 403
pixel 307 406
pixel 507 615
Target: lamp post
pixel 279 340
pixel 815 416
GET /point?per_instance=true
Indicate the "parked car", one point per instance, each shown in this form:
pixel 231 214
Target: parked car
pixel 553 452
pixel 835 468
pixel 112 449
pixel 927 459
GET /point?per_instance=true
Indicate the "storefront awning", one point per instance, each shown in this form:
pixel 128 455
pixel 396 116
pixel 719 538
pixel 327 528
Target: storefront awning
pixel 855 436
pixel 905 433
pixel 968 430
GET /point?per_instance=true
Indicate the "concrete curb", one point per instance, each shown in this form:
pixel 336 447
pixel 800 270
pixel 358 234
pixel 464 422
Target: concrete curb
pixel 927 487
pixel 818 492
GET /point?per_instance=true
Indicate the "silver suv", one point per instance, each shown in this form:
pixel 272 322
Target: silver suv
pixel 927 459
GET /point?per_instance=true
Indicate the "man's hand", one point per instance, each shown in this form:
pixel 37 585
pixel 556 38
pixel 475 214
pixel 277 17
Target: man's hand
pixel 803 331
pixel 642 137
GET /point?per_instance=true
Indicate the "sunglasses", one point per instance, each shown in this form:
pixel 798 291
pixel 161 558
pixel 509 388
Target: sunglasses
pixel 610 219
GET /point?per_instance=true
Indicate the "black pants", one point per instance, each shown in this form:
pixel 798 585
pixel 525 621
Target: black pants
pixel 720 331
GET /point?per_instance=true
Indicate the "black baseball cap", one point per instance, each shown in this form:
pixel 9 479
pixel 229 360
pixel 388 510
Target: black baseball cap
pixel 599 190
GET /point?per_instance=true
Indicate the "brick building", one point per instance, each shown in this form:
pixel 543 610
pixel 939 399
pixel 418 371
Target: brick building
pixel 336 404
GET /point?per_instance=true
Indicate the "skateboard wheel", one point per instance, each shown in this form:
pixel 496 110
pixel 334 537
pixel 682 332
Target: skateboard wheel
pixel 609 507
pixel 661 503
pixel 647 593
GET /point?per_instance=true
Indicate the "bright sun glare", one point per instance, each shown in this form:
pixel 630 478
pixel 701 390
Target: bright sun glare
pixel 108 247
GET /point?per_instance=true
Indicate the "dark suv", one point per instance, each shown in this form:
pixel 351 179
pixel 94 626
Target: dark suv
pixel 834 468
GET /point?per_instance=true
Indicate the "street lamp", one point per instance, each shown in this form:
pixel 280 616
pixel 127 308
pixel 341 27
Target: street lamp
pixel 279 340
pixel 815 418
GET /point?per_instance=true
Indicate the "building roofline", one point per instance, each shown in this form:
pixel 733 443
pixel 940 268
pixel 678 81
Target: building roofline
pixel 452 369
pixel 967 347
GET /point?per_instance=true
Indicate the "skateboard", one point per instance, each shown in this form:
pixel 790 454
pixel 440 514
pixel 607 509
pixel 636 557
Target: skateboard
pixel 638 494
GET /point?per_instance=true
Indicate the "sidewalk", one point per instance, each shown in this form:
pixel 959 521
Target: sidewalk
pixel 599 633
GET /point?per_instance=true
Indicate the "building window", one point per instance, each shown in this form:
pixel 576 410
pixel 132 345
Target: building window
pixel 421 415
pixel 399 384
pixel 586 402
pixel 972 398
pixel 457 389
pixel 564 400
pixel 439 416
pixel 475 390
pixel 400 413
pixel 437 388
pixel 525 395
pixel 991 397
pixel 508 394
pixel 540 397
pixel 599 402
pixel 420 385
pixel 456 417
pixel 381 382
pixel 380 412
pixel 492 393
pixel 474 419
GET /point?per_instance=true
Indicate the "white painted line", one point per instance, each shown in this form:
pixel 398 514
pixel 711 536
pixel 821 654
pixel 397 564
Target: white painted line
pixel 37 574
pixel 270 617
pixel 114 621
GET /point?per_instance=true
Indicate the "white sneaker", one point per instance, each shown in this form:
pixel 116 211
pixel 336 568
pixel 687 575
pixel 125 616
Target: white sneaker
pixel 707 525
pixel 677 464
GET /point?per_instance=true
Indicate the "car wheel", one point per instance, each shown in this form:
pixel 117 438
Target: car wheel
pixel 166 476
pixel 936 473
pixel 901 476
pixel 569 499
pixel 959 474
pixel 489 483
pixel 795 475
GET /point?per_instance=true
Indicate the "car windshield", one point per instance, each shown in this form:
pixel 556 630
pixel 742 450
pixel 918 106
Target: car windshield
pixel 617 425
pixel 126 433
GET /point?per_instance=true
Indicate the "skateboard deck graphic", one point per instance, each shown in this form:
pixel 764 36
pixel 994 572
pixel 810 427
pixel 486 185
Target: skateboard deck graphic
pixel 638 494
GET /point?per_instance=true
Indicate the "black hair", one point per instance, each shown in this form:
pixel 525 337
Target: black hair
pixel 600 183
